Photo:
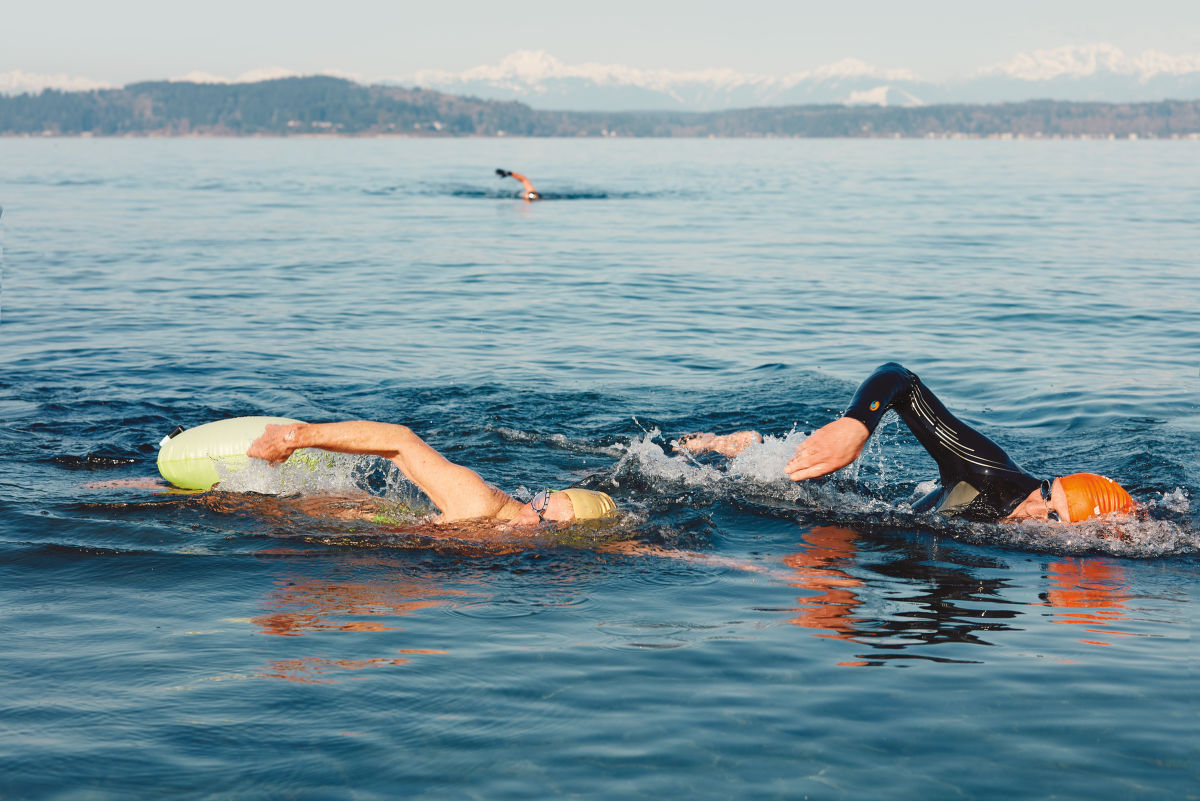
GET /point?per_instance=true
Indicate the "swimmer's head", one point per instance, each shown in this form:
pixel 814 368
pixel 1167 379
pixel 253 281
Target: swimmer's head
pixel 564 506
pixel 590 504
pixel 1090 495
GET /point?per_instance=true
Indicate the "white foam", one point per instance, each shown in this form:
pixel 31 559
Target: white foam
pixel 1136 536
pixel 315 472
pixel 759 470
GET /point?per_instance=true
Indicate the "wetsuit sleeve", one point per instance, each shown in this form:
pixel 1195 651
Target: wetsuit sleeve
pixel 961 452
pixel 879 393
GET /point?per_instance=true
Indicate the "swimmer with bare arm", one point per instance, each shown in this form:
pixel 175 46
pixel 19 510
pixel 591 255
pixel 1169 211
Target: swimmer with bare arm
pixel 458 492
pixel 978 480
pixel 529 194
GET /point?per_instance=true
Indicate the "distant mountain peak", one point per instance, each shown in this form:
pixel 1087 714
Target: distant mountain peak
pixel 532 67
pixel 854 68
pixel 883 96
pixel 1085 61
pixel 17 82
pixel 251 76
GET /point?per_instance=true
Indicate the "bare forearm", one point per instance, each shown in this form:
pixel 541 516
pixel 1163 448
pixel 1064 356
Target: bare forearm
pixel 356 436
pixel 728 445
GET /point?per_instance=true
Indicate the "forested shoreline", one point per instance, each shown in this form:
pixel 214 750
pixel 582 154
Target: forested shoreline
pixel 322 105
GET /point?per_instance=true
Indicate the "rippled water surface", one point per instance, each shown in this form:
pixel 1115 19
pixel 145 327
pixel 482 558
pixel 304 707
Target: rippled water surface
pixel 732 635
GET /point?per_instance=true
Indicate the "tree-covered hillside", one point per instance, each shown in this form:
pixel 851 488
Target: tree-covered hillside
pixel 324 105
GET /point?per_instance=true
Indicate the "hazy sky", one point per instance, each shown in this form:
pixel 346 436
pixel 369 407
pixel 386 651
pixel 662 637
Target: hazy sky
pixel 120 41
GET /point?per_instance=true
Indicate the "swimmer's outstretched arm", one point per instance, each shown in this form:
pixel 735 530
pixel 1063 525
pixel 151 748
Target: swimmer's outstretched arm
pixel 828 449
pixel 459 492
pixel 728 445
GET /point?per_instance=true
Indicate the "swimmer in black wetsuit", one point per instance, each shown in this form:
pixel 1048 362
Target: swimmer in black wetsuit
pixel 529 193
pixel 978 479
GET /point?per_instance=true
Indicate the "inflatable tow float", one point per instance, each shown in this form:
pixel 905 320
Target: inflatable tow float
pixel 188 459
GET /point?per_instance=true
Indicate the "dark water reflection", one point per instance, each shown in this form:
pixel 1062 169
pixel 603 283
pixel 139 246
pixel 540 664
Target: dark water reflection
pixel 936 603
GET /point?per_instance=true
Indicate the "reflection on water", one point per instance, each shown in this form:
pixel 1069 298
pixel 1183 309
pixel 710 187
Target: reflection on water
pixel 1088 592
pixel 915 603
pixel 311 670
pixel 301 605
pixel 821 568
pixel 931 604
pixel 907 606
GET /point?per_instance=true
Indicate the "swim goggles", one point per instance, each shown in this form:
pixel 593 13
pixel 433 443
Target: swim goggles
pixel 1046 488
pixel 539 503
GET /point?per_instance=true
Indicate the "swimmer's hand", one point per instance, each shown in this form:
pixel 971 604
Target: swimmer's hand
pixel 503 173
pixel 728 445
pixel 276 444
pixel 831 447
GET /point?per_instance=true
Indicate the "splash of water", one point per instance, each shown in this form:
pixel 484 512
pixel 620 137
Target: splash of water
pixel 315 472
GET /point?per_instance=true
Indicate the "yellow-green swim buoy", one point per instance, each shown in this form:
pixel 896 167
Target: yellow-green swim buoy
pixel 189 459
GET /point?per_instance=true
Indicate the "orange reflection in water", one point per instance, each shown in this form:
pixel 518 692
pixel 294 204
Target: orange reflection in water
pixel 310 670
pixel 819 567
pixel 1091 592
pixel 303 605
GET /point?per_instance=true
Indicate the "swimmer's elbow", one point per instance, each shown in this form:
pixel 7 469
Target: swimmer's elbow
pixel 892 367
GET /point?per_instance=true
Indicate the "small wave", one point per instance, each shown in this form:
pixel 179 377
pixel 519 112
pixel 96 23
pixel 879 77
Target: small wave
pixel 556 440
pixel 78 182
pixel 92 461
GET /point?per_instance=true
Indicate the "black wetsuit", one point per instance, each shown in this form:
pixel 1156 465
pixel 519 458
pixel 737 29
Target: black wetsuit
pixel 979 480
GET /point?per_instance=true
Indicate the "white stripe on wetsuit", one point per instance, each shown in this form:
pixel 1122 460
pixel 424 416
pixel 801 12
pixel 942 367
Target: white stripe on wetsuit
pixel 946 435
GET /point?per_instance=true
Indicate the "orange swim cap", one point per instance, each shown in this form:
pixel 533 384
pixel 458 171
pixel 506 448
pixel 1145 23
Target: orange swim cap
pixel 1090 495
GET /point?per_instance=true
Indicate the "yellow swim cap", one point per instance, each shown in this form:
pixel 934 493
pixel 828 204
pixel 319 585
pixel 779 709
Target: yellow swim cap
pixel 590 504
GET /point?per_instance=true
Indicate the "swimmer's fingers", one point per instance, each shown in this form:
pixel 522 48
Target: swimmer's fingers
pixel 503 173
pixel 697 442
pixel 812 470
pixel 828 449
pixel 276 444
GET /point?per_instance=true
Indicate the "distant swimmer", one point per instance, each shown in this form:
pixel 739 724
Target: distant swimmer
pixel 530 194
pixel 978 480
pixel 458 492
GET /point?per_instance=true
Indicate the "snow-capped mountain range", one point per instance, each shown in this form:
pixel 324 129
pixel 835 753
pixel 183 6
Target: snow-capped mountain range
pixel 1098 72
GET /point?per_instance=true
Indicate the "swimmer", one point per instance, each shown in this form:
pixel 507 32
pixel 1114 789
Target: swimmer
pixel 458 492
pixel 978 480
pixel 530 194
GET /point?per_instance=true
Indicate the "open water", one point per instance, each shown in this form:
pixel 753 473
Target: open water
pixel 767 640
